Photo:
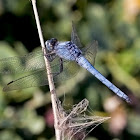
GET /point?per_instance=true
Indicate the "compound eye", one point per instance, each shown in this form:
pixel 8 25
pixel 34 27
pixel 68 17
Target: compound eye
pixel 53 41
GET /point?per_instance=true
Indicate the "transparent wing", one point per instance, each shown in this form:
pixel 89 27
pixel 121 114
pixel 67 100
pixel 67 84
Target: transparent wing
pixel 70 69
pixel 29 62
pixel 90 52
pixel 74 37
pixel 39 77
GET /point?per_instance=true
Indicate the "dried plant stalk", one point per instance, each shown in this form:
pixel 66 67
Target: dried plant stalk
pixel 50 77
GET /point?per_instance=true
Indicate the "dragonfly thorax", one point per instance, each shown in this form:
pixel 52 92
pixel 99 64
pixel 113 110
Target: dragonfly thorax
pixel 50 44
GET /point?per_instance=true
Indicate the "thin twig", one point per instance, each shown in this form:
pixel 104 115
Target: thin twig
pixel 50 77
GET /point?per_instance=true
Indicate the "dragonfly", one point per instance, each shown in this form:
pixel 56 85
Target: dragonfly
pixel 65 57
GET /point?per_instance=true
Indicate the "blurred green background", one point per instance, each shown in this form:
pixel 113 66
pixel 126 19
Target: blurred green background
pixel 115 24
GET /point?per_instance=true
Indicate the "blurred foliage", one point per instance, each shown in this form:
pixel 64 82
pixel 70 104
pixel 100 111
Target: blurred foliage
pixel 114 24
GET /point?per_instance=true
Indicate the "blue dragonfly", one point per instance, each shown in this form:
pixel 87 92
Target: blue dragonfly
pixel 65 58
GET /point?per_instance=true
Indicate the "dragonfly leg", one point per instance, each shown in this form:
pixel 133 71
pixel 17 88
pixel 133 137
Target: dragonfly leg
pixel 60 67
pixel 50 56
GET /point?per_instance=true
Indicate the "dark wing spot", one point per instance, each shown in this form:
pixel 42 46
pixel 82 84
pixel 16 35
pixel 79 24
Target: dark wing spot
pixel 10 82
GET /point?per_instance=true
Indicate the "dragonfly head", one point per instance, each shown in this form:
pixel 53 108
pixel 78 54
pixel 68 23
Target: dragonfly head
pixel 50 44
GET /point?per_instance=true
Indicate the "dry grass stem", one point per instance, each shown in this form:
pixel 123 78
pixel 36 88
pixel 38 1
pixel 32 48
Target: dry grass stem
pixel 50 77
